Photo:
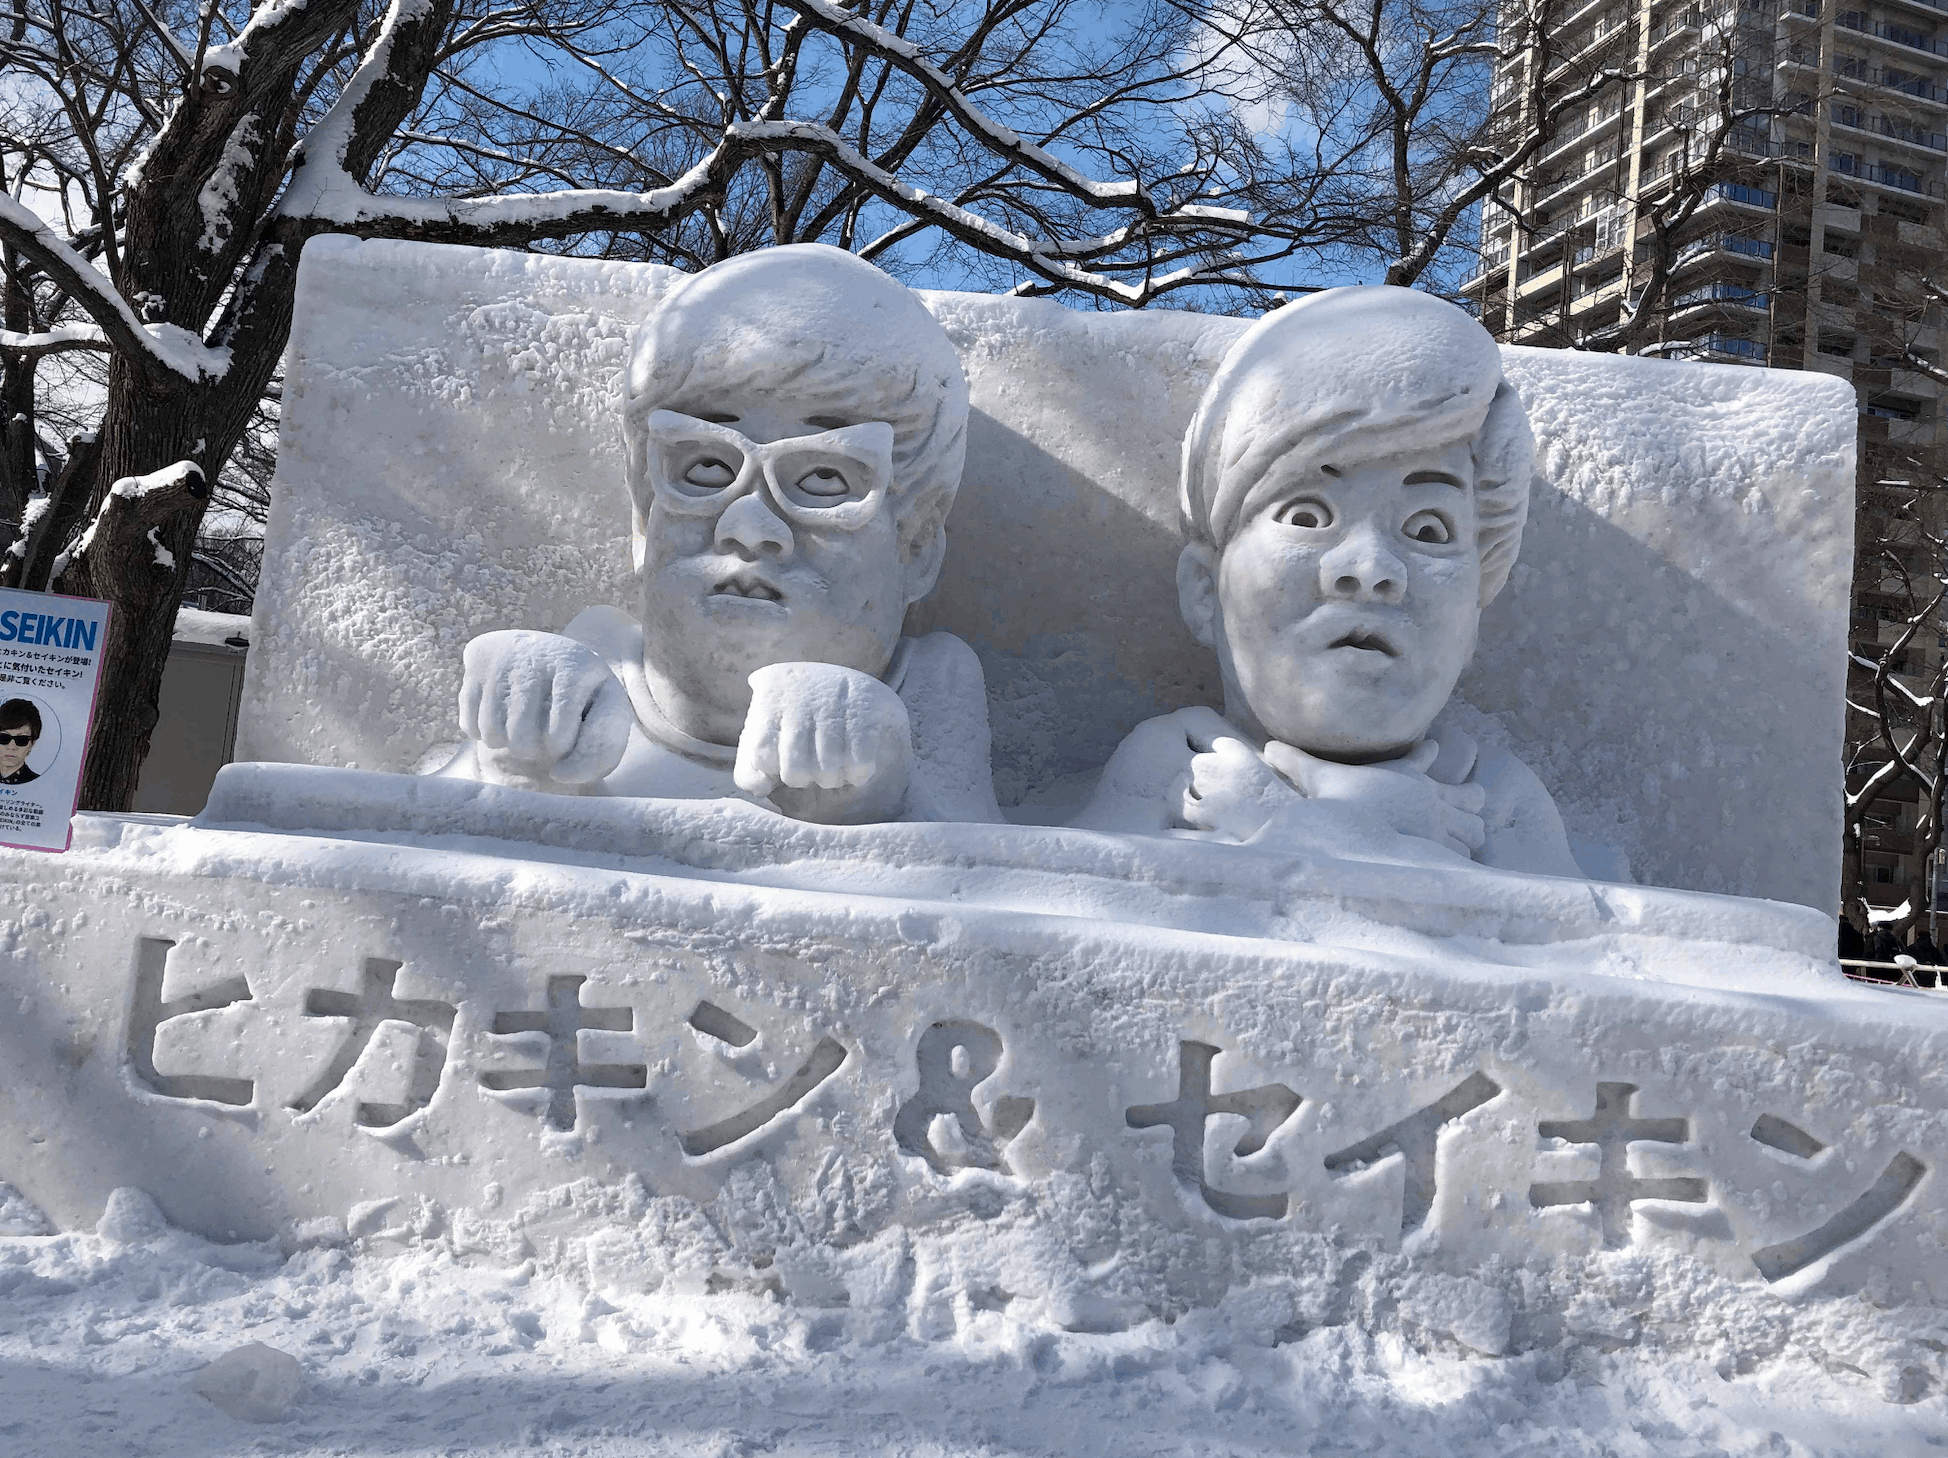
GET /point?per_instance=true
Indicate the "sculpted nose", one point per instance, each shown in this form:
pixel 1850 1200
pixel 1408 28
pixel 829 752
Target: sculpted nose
pixel 753 529
pixel 1363 568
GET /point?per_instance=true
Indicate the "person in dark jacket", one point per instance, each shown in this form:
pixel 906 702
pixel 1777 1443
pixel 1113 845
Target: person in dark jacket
pixel 1853 946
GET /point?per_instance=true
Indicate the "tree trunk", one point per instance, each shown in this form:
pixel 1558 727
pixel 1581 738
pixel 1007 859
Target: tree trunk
pixel 139 561
pixel 134 558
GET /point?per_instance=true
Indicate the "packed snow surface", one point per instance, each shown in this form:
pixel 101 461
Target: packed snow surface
pixel 406 1348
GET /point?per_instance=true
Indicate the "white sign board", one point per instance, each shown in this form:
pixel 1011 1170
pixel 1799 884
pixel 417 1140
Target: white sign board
pixel 50 656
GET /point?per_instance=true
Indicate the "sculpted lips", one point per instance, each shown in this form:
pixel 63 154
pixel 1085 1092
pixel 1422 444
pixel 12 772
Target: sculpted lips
pixel 747 585
pixel 1367 639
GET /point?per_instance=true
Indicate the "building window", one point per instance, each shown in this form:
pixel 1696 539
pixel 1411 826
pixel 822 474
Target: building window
pixel 1894 407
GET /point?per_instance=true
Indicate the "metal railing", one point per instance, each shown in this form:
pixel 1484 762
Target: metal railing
pixel 1684 20
pixel 1755 248
pixel 1739 192
pixel 1900 35
pixel 1916 86
pixel 1730 345
pixel 1848 165
pixel 1906 972
pixel 1740 295
pixel 1860 121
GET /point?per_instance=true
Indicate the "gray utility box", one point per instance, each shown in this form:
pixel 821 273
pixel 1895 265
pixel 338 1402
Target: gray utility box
pixel 196 726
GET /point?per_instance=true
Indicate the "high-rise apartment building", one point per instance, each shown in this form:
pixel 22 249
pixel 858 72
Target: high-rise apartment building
pixel 1773 175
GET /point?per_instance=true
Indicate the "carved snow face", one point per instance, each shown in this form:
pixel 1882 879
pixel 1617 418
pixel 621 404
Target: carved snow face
pixel 1348 604
pixel 772 539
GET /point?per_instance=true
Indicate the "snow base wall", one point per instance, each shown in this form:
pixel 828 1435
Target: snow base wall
pixel 1558 1119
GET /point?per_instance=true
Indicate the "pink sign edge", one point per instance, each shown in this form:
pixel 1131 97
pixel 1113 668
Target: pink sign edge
pixel 87 735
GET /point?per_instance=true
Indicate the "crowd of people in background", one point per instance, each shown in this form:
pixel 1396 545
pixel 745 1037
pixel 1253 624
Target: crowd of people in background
pixel 1883 945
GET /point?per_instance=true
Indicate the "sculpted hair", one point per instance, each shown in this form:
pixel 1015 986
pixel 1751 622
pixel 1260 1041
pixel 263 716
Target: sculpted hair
pixel 1351 373
pixel 17 714
pixel 839 336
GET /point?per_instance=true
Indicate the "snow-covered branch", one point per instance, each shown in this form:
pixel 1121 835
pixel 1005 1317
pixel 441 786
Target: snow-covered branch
pixel 165 354
pixel 136 506
pixel 59 340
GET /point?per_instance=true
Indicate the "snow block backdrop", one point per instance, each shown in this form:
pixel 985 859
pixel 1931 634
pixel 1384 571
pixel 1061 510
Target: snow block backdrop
pixel 1487 1111
pixel 1669 654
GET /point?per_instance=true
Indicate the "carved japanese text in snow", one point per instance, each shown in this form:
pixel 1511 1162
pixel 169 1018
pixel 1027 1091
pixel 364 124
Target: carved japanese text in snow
pixel 571 1062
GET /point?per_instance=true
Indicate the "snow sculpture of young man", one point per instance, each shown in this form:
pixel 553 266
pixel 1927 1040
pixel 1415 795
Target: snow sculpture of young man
pixel 1354 486
pixel 796 426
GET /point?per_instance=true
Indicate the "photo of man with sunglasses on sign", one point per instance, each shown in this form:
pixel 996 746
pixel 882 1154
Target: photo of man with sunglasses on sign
pixel 20 731
pixel 795 423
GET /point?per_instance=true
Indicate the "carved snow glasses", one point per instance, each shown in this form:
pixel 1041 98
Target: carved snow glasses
pixel 831 481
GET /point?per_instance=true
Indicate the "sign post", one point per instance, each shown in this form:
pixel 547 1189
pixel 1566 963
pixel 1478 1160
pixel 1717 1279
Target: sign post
pixel 50 659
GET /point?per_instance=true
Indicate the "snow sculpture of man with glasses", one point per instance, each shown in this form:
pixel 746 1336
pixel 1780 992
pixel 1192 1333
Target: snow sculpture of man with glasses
pixel 1354 487
pixel 796 426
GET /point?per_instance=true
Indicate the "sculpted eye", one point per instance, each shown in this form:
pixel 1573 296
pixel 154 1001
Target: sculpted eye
pixel 1307 512
pixel 824 481
pixel 709 474
pixel 1430 527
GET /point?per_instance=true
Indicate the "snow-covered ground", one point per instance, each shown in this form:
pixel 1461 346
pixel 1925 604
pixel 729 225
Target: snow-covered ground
pixel 407 1351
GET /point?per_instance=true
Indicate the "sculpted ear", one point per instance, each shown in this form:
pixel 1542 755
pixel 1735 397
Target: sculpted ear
pixel 923 548
pixel 1197 597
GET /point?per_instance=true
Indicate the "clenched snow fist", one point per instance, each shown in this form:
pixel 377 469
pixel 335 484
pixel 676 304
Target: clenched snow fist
pixel 253 1382
pixel 1399 792
pixel 543 711
pixel 825 743
pixel 1230 789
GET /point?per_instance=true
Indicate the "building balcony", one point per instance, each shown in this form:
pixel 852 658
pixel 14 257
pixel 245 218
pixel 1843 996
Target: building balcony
pixel 1584 50
pixel 1542 281
pixel 1724 348
pixel 1939 7
pixel 1560 147
pixel 1581 13
pixel 1492 268
pixel 1852 119
pixel 1595 253
pixel 1877 174
pixel 1719 245
pixel 1738 195
pixel 1685 22
pixel 1903 36
pixel 1917 88
pixel 1567 185
pixel 1544 239
pixel 1721 295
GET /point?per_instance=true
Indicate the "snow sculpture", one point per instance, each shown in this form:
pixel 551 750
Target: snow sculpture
pixel 796 425
pixel 1355 483
pixel 920 1073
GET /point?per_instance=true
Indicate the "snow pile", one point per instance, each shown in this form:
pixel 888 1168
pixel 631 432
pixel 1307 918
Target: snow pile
pixel 196 625
pixel 422 1345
